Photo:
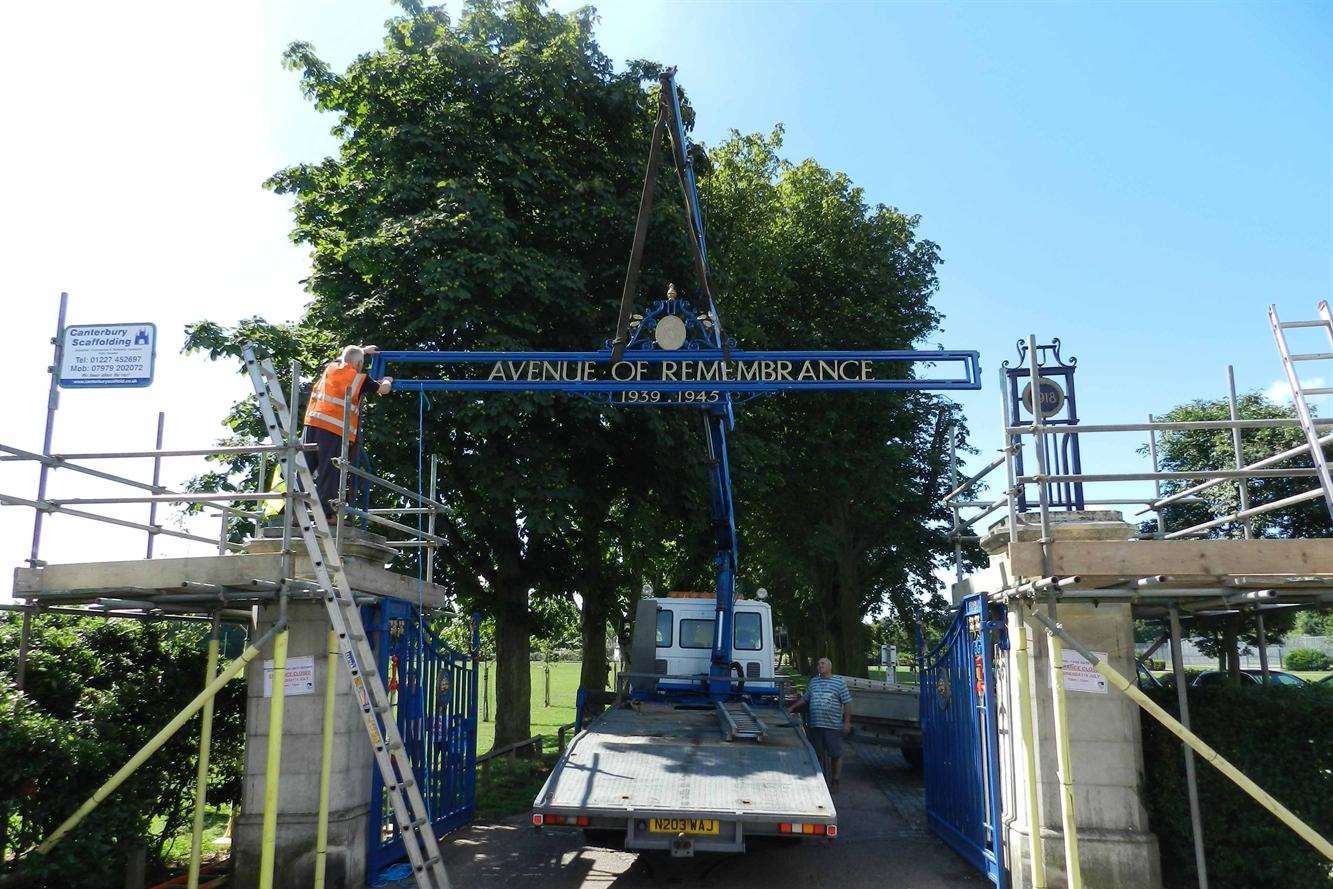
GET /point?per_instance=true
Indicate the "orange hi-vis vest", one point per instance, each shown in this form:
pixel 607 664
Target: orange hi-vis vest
pixel 325 409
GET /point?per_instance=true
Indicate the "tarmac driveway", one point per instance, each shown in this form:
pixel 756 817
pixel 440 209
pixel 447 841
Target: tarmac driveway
pixel 882 841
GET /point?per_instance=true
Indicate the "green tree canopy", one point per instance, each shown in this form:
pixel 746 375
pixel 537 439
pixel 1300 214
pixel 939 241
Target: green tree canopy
pixel 483 197
pixel 838 507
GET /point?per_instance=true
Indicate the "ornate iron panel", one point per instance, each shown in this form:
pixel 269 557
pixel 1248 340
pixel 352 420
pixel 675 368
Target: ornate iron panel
pixel 962 765
pixel 434 692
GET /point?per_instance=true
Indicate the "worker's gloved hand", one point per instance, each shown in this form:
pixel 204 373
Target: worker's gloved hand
pixel 385 385
pixel 369 350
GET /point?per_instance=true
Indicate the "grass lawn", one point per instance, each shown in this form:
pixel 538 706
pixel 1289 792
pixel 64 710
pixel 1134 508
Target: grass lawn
pixel 905 676
pixel 546 721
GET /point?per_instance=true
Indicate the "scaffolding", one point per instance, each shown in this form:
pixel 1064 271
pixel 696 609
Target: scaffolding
pixel 1226 587
pixel 378 501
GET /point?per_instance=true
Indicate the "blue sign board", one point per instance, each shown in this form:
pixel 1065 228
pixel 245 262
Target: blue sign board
pixel 685 376
pixel 107 356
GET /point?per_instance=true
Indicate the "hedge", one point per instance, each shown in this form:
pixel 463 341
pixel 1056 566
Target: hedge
pixel 1279 737
pixel 96 690
pixel 1306 659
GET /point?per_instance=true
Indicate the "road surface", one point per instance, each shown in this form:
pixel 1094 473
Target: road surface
pixel 883 841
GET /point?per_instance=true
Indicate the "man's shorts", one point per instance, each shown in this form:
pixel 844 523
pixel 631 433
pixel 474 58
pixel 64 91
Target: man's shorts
pixel 827 741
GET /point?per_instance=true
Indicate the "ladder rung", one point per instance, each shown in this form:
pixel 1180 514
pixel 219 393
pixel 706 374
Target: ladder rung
pixel 1313 356
pixel 430 862
pixel 1287 325
pixel 1322 390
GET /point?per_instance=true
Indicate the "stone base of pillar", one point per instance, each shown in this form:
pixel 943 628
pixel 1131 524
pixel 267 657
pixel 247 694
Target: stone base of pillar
pixel 1110 859
pixel 294 851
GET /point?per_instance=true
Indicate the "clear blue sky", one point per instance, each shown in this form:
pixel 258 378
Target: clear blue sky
pixel 1139 180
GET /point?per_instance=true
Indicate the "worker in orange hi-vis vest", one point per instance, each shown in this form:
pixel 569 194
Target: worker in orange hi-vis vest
pixel 342 382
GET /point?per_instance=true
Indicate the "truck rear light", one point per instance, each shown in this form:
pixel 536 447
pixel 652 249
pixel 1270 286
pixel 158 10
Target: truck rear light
pixel 536 819
pixel 572 820
pixel 818 830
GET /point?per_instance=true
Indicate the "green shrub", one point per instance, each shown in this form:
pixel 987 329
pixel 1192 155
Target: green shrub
pixel 1307 659
pixel 1279 737
pixel 96 691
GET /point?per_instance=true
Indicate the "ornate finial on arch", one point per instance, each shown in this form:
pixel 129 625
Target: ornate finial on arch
pixel 1048 355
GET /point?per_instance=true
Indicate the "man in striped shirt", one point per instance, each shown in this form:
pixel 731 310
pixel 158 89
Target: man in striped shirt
pixel 830 704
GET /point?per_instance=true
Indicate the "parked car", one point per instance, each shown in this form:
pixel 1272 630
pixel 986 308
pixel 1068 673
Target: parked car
pixel 1327 680
pixel 1276 677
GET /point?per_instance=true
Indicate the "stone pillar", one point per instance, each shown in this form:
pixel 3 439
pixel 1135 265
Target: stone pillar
pixel 1116 847
pixel 298 786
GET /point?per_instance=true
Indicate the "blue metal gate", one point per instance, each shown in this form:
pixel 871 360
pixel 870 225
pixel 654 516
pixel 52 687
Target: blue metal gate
pixel 434 692
pixel 962 763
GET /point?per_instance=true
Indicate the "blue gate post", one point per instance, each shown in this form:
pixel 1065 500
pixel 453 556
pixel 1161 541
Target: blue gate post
pixel 991 722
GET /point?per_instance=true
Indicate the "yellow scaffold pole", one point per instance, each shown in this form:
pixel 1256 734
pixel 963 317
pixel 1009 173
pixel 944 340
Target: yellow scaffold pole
pixel 273 763
pixel 1197 744
pixel 233 670
pixel 1018 631
pixel 201 777
pixel 326 762
pixel 1063 763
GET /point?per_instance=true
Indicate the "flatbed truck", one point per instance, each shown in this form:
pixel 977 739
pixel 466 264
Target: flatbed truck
pixel 677 770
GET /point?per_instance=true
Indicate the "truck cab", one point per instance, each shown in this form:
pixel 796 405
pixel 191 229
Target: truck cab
pixel 684 628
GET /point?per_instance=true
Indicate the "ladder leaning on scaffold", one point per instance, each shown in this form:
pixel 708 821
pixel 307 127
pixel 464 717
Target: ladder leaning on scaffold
pixel 1300 394
pixel 409 808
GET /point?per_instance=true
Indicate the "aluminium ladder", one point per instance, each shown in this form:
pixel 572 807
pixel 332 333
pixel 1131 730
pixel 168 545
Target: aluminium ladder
pixel 409 809
pixel 739 721
pixel 1299 393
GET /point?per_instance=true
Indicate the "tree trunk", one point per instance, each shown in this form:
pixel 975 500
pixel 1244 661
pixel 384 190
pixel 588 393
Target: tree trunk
pixel 513 655
pixel 851 658
pixel 1231 645
pixel 592 620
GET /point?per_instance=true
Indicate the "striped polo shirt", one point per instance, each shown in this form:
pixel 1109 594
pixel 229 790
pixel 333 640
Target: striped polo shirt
pixel 826 698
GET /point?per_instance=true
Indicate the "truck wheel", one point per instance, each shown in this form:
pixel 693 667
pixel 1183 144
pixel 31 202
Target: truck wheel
pixel 604 838
pixel 915 757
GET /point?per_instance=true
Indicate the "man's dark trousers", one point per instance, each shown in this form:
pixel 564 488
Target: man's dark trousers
pixel 328 446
